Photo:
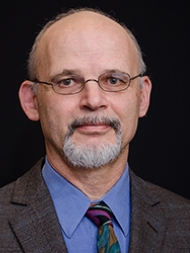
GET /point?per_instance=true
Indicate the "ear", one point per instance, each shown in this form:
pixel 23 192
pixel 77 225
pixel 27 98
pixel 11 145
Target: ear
pixel 146 87
pixel 28 100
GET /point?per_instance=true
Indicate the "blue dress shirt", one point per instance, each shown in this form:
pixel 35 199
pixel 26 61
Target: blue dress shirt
pixel 80 233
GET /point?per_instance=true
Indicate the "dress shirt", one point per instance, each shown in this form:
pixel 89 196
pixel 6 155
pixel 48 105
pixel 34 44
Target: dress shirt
pixel 71 204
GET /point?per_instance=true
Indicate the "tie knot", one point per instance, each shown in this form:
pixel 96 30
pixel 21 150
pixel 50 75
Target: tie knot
pixel 100 214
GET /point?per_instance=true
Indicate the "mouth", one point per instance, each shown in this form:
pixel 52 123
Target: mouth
pixel 94 124
pixel 93 128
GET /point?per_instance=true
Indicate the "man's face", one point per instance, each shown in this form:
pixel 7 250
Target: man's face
pixel 88 45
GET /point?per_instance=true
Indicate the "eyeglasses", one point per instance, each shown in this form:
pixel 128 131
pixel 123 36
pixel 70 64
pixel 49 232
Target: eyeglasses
pixel 71 84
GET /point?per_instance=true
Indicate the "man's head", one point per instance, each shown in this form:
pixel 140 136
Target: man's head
pixel 34 59
pixel 94 123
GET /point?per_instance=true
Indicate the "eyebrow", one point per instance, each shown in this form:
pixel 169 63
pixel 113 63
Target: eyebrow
pixel 68 72
pixel 65 72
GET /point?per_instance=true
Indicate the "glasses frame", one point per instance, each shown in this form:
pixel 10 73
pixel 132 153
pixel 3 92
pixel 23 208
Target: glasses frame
pixel 88 80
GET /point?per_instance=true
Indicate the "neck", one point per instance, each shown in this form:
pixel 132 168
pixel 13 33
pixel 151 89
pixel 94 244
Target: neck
pixel 94 183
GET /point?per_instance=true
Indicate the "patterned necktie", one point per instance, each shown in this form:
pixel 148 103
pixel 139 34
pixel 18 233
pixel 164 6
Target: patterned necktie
pixel 107 241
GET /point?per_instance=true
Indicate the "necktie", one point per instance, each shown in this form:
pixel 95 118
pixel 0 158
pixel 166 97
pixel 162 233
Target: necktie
pixel 107 241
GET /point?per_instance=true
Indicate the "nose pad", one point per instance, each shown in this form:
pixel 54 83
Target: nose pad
pixel 92 96
pixel 92 80
pixel 91 88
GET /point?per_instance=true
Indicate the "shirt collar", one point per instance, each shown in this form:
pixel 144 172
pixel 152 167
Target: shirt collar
pixel 71 204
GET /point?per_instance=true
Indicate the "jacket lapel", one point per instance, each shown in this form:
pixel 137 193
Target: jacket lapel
pixel 35 223
pixel 147 221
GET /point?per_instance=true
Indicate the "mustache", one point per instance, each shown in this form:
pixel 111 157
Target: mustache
pixel 93 120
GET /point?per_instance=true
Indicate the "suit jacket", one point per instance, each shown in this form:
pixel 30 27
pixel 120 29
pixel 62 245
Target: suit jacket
pixel 160 220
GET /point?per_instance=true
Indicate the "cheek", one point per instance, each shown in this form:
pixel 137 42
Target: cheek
pixel 48 113
pixel 127 107
pixel 48 120
pixel 128 113
pixel 55 114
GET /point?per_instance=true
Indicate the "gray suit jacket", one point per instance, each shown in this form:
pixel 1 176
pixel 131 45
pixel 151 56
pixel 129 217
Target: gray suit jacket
pixel 160 220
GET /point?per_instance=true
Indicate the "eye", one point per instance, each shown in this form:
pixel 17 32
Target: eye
pixel 113 80
pixel 65 82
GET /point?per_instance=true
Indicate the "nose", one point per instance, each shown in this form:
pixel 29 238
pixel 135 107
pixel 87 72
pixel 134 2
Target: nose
pixel 93 97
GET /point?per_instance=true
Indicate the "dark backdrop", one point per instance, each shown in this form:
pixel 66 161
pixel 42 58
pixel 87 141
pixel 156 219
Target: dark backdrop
pixel 160 151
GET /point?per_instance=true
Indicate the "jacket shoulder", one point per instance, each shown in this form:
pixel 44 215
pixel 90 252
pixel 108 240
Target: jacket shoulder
pixel 15 190
pixel 154 194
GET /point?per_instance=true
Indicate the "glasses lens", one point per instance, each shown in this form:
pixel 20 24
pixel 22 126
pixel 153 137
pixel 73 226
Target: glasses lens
pixel 114 81
pixel 68 84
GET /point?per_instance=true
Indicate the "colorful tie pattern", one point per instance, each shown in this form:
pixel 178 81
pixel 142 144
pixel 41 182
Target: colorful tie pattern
pixel 107 241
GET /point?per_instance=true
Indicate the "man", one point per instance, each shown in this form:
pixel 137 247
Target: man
pixel 88 89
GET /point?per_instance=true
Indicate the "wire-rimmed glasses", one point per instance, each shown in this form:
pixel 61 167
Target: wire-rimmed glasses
pixel 68 84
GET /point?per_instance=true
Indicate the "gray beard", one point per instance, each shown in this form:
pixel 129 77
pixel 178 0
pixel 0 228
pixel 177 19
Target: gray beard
pixel 92 156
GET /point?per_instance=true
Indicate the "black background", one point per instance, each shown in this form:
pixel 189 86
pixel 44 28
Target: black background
pixel 160 151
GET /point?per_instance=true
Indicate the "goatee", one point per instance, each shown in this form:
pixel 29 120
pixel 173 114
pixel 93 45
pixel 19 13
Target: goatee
pixel 92 156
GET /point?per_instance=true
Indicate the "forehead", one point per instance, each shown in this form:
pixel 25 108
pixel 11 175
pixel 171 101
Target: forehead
pixel 86 36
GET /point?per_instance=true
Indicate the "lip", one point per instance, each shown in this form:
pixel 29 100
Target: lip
pixel 93 128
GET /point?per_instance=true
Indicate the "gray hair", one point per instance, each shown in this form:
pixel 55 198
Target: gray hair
pixel 33 57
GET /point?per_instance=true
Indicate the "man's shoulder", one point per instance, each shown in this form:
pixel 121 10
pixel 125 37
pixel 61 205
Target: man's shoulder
pixel 166 195
pixel 6 192
pixel 26 211
pixel 159 218
pixel 154 194
pixel 19 186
